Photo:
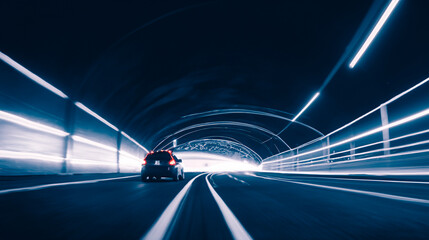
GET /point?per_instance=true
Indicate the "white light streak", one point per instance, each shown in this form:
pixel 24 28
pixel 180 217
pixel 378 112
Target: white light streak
pixel 90 162
pixel 134 141
pixel 93 162
pixel 29 155
pixel 129 155
pixel 374 32
pixel 364 153
pixel 365 134
pixel 405 92
pixel 377 108
pixel 90 112
pixel 357 148
pixel 31 75
pixel 93 143
pixel 306 106
pixel 374 157
pixel 31 124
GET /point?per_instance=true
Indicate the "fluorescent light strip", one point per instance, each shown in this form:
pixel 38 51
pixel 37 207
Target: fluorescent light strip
pixel 379 172
pixel 134 141
pixel 365 134
pixel 93 143
pixel 29 155
pixel 361 117
pixel 306 106
pixel 374 32
pixel 374 157
pixel 368 152
pixel 377 108
pixel 132 164
pixel 89 162
pixel 90 112
pixel 31 75
pixel 99 145
pixel 129 155
pixel 360 147
pixel 30 124
pixel 405 92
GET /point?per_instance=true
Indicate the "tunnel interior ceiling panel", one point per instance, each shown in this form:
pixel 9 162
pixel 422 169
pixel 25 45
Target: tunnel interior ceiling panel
pixel 152 64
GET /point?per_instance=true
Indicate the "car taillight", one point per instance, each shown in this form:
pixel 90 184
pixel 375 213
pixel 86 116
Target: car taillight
pixel 144 162
pixel 172 162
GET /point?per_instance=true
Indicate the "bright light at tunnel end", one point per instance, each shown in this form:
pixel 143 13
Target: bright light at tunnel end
pixel 374 32
pixel 306 106
pixel 210 162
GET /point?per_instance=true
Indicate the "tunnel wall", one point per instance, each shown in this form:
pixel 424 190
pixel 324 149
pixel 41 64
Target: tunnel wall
pixel 44 133
pixel 392 138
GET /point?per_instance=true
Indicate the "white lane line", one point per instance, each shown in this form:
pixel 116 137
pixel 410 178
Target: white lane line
pixel 237 230
pixel 160 227
pixel 374 194
pixel 38 187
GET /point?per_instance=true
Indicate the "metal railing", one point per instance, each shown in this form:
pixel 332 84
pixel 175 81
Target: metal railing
pixel 391 137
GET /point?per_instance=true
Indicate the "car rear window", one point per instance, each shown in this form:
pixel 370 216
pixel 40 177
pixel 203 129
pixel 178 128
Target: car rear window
pixel 159 156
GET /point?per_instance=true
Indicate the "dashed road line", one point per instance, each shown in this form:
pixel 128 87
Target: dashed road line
pixel 238 180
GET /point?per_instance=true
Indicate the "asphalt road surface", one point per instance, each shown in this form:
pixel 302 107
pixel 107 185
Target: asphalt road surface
pixel 236 205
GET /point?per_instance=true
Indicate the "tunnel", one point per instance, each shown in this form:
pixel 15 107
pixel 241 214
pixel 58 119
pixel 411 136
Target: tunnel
pixel 278 119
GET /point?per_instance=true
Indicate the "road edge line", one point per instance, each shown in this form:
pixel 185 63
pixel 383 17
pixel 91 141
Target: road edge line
pixel 161 225
pixel 363 192
pixel 234 225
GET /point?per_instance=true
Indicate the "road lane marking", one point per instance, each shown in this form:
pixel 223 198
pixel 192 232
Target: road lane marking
pixel 237 230
pixel 375 194
pixel 238 180
pixel 214 184
pixel 160 227
pixel 38 187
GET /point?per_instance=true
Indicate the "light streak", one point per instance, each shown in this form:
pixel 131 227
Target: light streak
pixel 374 32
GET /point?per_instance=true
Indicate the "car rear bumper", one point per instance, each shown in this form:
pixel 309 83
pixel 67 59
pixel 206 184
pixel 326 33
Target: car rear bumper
pixel 161 171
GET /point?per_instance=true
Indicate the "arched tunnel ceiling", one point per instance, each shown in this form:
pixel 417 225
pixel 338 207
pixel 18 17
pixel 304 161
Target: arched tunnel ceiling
pixel 155 68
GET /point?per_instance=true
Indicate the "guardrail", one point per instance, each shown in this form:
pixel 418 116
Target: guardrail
pixel 42 131
pixel 391 137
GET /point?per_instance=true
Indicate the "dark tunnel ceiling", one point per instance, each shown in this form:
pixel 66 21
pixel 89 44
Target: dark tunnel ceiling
pixel 143 65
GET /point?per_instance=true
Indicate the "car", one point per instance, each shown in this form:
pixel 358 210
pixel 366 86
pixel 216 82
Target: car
pixel 162 163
